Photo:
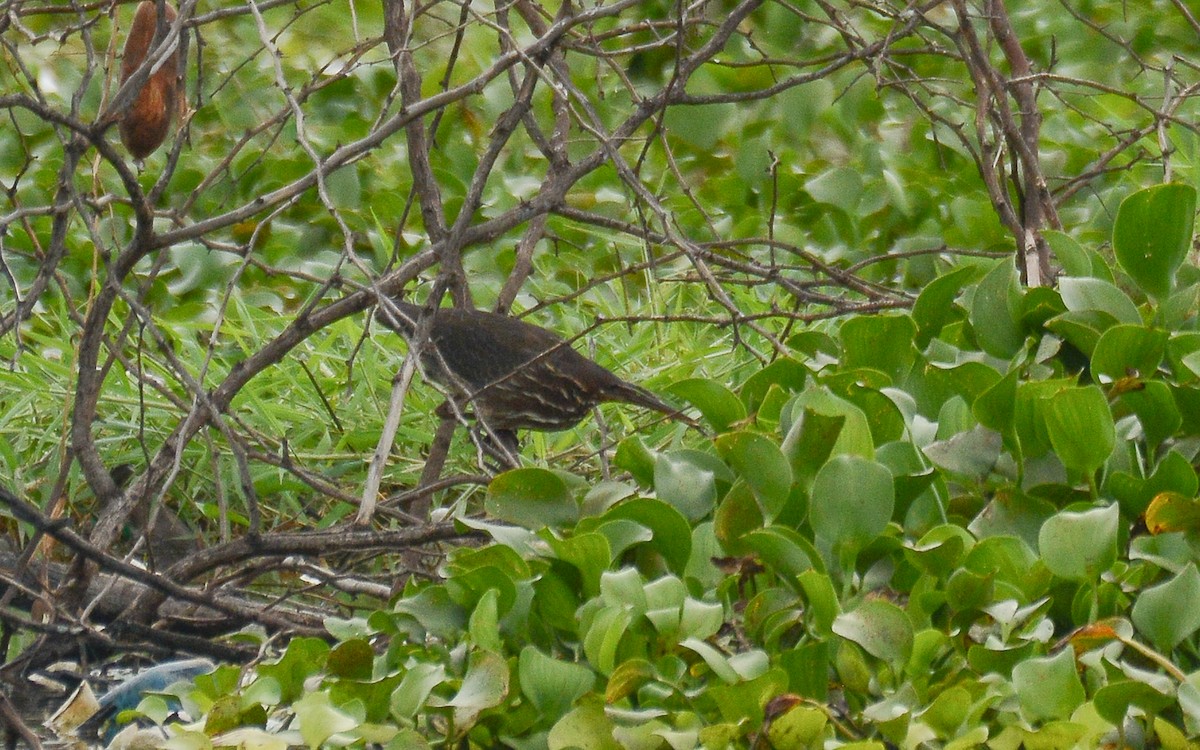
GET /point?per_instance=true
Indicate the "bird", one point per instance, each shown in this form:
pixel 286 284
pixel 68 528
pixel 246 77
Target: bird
pixel 515 374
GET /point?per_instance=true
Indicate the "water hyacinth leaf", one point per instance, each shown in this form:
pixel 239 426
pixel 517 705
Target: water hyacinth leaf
pixel 531 497
pixel 1079 546
pixel 852 501
pixel 1088 294
pixel 879 342
pixel 1156 410
pixel 1158 614
pixel 319 719
pixel 973 453
pixel 1070 254
pixel 935 305
pixel 1153 233
pixel 758 461
pixel 672 533
pixel 1081 428
pixel 1128 351
pixel 994 312
pixel 1114 700
pixel 719 406
pixel 854 437
pixel 688 486
pixel 552 686
pixel 586 727
pixel 484 686
pixel 881 628
pixel 1048 687
pixel 785 372
pixel 414 689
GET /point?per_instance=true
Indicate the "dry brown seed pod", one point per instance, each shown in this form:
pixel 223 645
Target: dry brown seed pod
pixel 147 120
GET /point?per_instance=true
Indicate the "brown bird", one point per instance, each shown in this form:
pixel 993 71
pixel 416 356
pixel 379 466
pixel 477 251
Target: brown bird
pixel 516 375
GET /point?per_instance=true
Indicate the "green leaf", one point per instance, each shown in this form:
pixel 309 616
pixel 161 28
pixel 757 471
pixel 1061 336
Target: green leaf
pixel 688 486
pixel 994 311
pixel 934 307
pixel 1049 687
pixel 484 686
pixel 419 681
pixel 351 660
pixel 1085 294
pixel 1153 233
pixel 720 407
pixel 552 686
pixel 1080 546
pixel 785 372
pixel 319 720
pixel 1080 426
pixel 1162 613
pixel 586 727
pixel 1070 254
pixel 671 531
pixel 531 497
pixel 1128 351
pixel 880 627
pixel 879 342
pixel 762 465
pixel 852 501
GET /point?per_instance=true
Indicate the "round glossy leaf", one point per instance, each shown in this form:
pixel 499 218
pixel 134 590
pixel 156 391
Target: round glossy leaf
pixel 552 685
pixel 1081 429
pixel 1128 351
pixel 1080 546
pixel 1113 700
pixel 686 485
pixel 761 464
pixel 720 407
pixel 1081 294
pixel 1170 511
pixel 531 497
pixel 852 500
pixel 1070 254
pixel 1165 614
pixel 994 312
pixel 785 372
pixel 672 533
pixel 1156 410
pixel 880 627
pixel 1153 233
pixel 879 342
pixel 1049 687
pixel 935 305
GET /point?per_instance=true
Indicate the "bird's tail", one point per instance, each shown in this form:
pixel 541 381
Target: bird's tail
pixel 634 394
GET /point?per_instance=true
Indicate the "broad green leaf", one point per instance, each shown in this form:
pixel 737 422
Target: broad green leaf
pixel 686 483
pixel 552 686
pixel 672 533
pixel 531 497
pixel 1070 254
pixel 720 407
pixel 935 304
pixel 994 312
pixel 1113 700
pixel 852 501
pixel 319 719
pixel 761 464
pixel 484 686
pixel 419 681
pixel 1128 351
pixel 880 627
pixel 879 342
pixel 1160 612
pixel 854 436
pixel 1153 233
pixel 1048 687
pixel 1080 546
pixel 1080 426
pixel 785 372
pixel 1156 410
pixel 1084 294
pixel 586 727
